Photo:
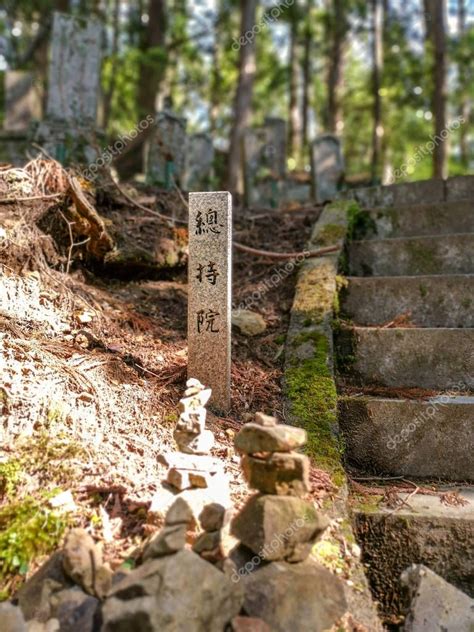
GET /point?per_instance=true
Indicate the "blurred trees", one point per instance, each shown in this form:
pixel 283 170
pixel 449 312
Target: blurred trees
pixel 383 75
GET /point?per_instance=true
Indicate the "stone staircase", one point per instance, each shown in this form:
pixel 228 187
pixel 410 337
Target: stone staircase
pixel 406 378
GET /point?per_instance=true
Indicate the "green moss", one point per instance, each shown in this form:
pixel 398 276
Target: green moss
pixel 466 303
pixel 423 290
pixel 312 392
pixel 10 472
pixel 422 258
pixel 330 234
pixel 361 223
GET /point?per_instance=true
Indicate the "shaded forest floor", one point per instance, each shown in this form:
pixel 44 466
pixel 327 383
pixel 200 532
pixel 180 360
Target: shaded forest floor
pixel 92 368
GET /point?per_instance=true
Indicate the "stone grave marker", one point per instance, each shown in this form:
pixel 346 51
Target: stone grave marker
pixel 327 167
pixel 68 131
pixel 262 185
pixel 22 100
pixel 166 150
pixel 276 136
pixel 209 293
pixel 199 162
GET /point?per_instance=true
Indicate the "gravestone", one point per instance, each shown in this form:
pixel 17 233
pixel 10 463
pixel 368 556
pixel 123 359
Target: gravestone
pixel 22 100
pixel 276 136
pixel 68 131
pixel 209 293
pixel 199 162
pixel 166 150
pixel 327 167
pixel 262 167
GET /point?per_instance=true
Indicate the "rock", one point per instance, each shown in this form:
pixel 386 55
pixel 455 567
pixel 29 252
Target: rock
pixel 278 527
pixel 213 517
pixel 196 499
pixel 82 560
pixel 435 605
pixel 52 625
pixel 169 540
pixel 75 611
pixel 296 597
pixel 249 624
pixel 208 546
pixel 184 479
pixel 179 513
pixel 249 323
pixel 282 473
pixel 254 438
pixel 33 596
pixel 11 618
pixel 161 501
pixel 182 461
pixel 178 592
pixel 194 443
pixel 265 420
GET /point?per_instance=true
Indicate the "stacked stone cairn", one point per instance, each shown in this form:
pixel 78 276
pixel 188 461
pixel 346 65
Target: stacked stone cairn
pixel 276 523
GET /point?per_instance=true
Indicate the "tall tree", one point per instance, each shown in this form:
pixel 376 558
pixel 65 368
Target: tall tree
pixel 294 113
pixel 339 27
pixel 307 51
pixel 436 38
pixel 243 95
pixel 152 62
pixel 464 105
pixel 377 67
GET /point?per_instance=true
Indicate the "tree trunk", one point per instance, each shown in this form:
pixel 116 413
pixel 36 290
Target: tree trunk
pixel 243 96
pixel 435 18
pixel 306 80
pixel 464 106
pixel 336 62
pixel 152 70
pixel 294 128
pixel 114 64
pixel 377 62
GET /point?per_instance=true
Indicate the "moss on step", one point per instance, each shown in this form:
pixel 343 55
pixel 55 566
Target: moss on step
pixel 312 391
pixel 330 234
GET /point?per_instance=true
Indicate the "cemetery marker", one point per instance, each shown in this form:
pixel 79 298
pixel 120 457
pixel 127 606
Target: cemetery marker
pixel 209 293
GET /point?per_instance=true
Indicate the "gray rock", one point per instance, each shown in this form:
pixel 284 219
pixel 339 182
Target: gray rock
pixel 298 597
pixel 178 592
pixel 254 438
pixel 75 610
pixel 435 605
pixel 249 323
pixel 282 473
pixel 208 546
pixel 179 513
pixel 278 527
pixel 11 618
pixel 213 517
pixel 33 596
pixel 265 420
pixel 82 561
pixel 168 541
pixel 193 443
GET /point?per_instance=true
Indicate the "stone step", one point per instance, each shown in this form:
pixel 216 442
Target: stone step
pixel 442 218
pixel 423 531
pixel 432 438
pixel 402 193
pixel 438 359
pixel 432 301
pixel 411 256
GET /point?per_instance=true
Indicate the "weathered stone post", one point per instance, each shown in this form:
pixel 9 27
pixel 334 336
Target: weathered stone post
pixel 327 167
pixel 209 293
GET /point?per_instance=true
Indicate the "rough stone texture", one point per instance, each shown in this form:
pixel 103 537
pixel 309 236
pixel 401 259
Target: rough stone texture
pixel 178 592
pixel 74 72
pixel 265 420
pixel 263 166
pixel 75 611
pixel 277 134
pixel 419 439
pixel 255 438
pixel 82 561
pixel 278 527
pixel 170 539
pixel 22 100
pixel 429 301
pixel 460 188
pixel 427 358
pixel 296 597
pixel 166 150
pixel 11 618
pixel 444 254
pixel 209 294
pixel 441 218
pixel 403 193
pixel 282 473
pixel 249 624
pixel 327 167
pixel 435 605
pixel 179 513
pixel 249 323
pixel 199 162
pixel 427 532
pixel 213 517
pixel 33 595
